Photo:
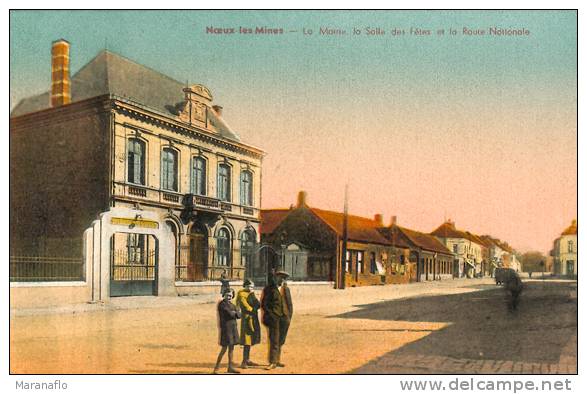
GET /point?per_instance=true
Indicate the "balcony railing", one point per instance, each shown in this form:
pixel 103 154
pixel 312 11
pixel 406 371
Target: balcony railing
pixel 189 201
pixel 137 191
pixel 171 197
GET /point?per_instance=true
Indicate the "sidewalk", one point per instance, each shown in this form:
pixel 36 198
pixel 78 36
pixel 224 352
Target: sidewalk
pixel 303 290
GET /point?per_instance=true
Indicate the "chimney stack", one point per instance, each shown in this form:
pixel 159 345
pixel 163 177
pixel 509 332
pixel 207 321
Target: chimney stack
pixel 60 82
pixel 378 218
pixel 302 195
pixel 393 221
pixel 217 109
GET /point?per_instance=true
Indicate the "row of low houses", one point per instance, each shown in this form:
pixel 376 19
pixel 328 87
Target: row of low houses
pixel 127 182
pixel 309 242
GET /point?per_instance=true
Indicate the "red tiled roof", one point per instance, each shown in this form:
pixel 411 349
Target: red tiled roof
pixel 425 241
pixel 571 230
pixel 448 230
pixel 394 238
pixel 359 228
pixel 490 241
pixel 271 218
pixel 475 238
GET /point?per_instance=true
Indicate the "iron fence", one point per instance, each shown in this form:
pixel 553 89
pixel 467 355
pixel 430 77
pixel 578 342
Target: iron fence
pixel 46 269
pixel 207 267
pixel 133 266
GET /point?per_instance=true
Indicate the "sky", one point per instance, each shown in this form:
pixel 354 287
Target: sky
pixel 481 129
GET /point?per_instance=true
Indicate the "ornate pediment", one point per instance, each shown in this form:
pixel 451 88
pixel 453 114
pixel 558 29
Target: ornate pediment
pixel 197 100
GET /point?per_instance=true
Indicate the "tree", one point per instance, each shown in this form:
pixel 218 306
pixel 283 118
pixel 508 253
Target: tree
pixel 533 262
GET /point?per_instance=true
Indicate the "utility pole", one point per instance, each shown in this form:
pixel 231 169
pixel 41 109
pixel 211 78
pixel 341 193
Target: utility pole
pixel 344 237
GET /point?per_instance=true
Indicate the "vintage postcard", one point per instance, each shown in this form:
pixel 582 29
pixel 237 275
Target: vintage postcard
pixel 294 192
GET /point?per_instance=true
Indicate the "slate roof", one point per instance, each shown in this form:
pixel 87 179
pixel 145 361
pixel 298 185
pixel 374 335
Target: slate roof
pixel 110 73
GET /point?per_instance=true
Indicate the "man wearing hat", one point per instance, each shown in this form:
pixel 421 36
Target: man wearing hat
pixel 277 312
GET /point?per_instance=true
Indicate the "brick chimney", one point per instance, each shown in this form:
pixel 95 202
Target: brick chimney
pixel 302 196
pixel 393 221
pixel 60 82
pixel 217 109
pixel 378 218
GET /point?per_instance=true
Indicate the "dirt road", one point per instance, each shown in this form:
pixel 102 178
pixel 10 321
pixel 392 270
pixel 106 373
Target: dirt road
pixel 450 326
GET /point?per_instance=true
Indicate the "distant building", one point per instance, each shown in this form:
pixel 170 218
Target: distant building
pixel 432 259
pixel 501 254
pixel 469 250
pixel 565 252
pixel 308 242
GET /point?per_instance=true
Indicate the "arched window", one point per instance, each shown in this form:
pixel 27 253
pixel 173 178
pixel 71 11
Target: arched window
pixel 223 248
pixel 198 185
pixel 224 182
pixel 570 246
pixel 169 169
pixel 136 161
pixel 247 248
pixel 247 188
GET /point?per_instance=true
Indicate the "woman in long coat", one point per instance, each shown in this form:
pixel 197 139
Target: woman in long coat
pixel 227 316
pixel 249 305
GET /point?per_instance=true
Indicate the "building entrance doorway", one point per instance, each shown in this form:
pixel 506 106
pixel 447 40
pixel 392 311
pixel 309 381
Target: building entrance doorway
pixel 198 258
pixel 570 267
pixel 133 268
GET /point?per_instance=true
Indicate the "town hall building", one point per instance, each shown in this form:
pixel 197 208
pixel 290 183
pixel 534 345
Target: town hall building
pixel 124 181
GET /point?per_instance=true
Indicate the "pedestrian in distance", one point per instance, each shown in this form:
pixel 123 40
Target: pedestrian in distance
pixel 513 286
pixel 227 326
pixel 248 305
pixel 224 282
pixel 277 311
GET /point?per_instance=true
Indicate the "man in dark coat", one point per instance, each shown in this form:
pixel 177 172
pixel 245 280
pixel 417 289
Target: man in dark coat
pixel 227 316
pixel 277 311
pixel 287 310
